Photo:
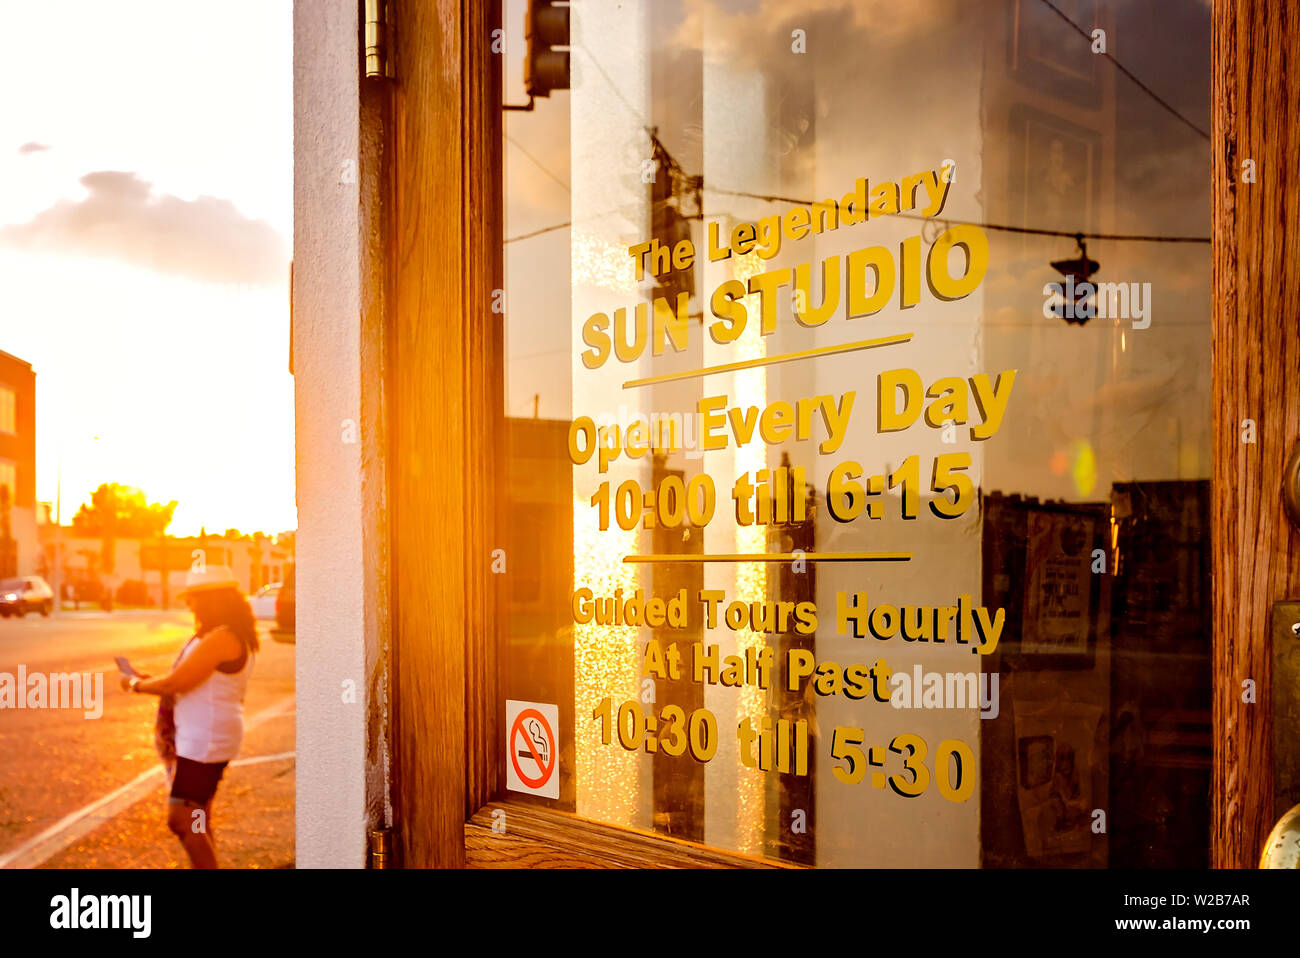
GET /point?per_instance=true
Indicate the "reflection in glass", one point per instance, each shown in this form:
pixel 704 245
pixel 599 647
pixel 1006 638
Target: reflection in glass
pixel 1085 740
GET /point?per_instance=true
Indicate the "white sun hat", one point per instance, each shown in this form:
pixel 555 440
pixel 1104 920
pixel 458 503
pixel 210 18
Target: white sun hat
pixel 208 578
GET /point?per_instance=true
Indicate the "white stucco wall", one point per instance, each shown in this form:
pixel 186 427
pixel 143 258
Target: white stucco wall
pixel 337 341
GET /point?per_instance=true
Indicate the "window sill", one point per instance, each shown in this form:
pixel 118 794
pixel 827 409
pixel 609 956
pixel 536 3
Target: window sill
pixel 536 837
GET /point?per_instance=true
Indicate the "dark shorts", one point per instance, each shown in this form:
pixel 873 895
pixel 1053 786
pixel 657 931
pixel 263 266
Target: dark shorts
pixel 196 782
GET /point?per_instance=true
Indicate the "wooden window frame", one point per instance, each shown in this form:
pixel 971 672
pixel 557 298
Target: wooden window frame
pixel 443 193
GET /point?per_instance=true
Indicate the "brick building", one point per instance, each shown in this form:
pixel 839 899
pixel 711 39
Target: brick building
pixel 18 548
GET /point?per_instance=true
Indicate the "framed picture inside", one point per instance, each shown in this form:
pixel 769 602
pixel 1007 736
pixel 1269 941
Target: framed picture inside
pixel 1048 55
pixel 1038 566
pixel 1055 172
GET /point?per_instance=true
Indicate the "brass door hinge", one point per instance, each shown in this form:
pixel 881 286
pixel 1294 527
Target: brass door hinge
pixel 381 848
pixel 377 40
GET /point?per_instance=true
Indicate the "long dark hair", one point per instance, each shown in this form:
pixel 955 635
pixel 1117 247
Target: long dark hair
pixel 225 608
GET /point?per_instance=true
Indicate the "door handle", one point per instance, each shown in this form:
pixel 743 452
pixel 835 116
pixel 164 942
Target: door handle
pixel 1282 850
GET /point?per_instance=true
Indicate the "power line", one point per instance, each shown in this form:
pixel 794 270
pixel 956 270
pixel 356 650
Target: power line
pixel 538 163
pixel 653 207
pixel 1002 227
pixel 1033 231
pixel 544 229
pixel 636 114
pixel 673 165
pixel 633 110
pixel 1125 70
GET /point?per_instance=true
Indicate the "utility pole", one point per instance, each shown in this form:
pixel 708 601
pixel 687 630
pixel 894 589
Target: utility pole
pixel 59 547
pixel 162 568
pixel 57 584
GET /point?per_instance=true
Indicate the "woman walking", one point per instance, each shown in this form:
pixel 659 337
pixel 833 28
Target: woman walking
pixel 207 685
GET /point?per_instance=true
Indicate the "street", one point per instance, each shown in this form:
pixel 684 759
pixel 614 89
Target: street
pixel 55 762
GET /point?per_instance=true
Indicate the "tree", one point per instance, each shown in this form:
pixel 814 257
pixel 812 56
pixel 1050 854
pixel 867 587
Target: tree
pixel 116 511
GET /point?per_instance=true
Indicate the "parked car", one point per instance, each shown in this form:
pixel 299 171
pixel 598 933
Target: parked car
pixel 264 601
pixel 284 605
pixel 29 593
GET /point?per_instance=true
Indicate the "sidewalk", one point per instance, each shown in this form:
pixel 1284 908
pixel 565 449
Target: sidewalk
pixel 252 817
pixel 80 794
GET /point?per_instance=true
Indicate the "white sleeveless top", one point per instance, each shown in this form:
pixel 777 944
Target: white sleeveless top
pixel 210 716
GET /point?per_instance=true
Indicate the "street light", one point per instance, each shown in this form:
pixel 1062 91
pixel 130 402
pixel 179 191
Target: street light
pixel 57 584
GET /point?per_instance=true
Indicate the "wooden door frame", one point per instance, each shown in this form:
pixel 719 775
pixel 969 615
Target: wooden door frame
pixel 443 385
pixel 1256 342
pixel 441 340
pixel 444 395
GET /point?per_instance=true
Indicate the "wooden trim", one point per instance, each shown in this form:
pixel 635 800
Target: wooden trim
pixel 543 838
pixel 1256 357
pixel 483 227
pixel 444 345
pixel 444 261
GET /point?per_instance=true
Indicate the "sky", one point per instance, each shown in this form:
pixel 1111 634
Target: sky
pixel 1099 406
pixel 146 224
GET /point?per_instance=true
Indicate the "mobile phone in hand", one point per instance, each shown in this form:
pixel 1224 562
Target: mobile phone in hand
pixel 124 666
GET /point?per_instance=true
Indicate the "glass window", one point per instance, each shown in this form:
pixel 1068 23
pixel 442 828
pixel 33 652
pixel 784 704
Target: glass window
pixel 8 411
pixel 857 401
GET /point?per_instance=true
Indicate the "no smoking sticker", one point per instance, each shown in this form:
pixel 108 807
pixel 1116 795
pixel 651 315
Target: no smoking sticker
pixel 532 746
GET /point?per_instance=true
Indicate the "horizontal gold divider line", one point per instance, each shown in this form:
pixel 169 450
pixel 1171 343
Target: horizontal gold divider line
pixel 776 557
pixel 772 360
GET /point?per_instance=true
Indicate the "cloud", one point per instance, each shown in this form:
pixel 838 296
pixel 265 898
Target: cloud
pixel 31 146
pixel 124 219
